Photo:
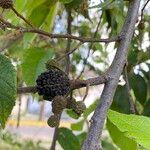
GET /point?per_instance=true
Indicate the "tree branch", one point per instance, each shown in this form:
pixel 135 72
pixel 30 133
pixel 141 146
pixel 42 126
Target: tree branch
pixel 97 121
pixel 142 10
pixel 68 36
pixel 70 52
pixel 20 16
pixel 75 84
pixel 61 36
pixel 23 90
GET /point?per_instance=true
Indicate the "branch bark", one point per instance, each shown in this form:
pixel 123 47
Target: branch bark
pixel 97 122
pixel 68 36
pixel 57 36
pixel 75 84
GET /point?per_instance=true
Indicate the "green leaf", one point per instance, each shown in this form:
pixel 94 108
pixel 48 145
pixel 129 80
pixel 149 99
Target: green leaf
pixel 50 19
pixel 44 19
pixel 32 5
pixel 77 126
pixel 28 39
pixel 90 109
pixel 143 56
pixel 68 140
pixel 74 4
pixel 103 4
pixel 133 55
pixel 98 47
pixel 146 111
pixel 139 87
pixel 65 1
pixel 38 18
pixel 81 137
pixel 108 145
pixel 34 63
pixel 19 5
pixel 7 89
pixel 119 138
pixel 120 102
pixel 134 127
pixel 72 114
pixel 16 50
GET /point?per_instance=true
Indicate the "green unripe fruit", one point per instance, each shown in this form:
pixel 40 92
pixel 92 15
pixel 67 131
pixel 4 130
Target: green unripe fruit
pixel 58 104
pixel 71 103
pixel 79 108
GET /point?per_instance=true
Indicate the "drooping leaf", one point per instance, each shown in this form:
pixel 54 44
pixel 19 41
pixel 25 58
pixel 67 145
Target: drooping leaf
pixel 147 78
pixel 38 18
pixel 34 63
pixel 74 4
pixel 81 137
pixel 72 114
pixel 132 58
pixel 139 87
pixel 28 38
pixel 50 19
pixel 134 127
pixel 119 138
pixel 16 50
pixel 103 4
pixel 7 89
pixel 77 126
pixel 108 145
pixel 120 102
pixel 45 18
pixel 90 109
pixel 68 140
pixel 146 111
pixel 143 56
pixel 65 1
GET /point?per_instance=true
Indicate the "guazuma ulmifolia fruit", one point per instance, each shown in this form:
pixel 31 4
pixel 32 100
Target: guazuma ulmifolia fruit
pixel 53 121
pixel 53 82
pixel 58 104
pixel 77 106
pixel 71 102
pixel 6 4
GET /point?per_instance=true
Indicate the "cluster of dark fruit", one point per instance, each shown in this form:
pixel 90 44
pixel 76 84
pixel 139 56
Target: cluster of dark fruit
pixel 6 4
pixel 54 85
pixel 51 83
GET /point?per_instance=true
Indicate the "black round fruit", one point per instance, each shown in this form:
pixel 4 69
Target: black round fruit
pixel 53 82
pixel 6 4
